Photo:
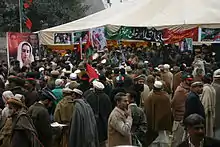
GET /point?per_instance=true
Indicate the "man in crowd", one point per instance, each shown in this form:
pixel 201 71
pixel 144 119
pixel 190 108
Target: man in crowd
pixel 158 111
pixel 208 99
pixel 120 122
pixel 178 108
pixel 195 127
pixel 23 130
pixel 63 115
pixel 139 125
pixel 101 106
pixel 216 85
pixel 193 103
pixel 41 118
pixel 83 128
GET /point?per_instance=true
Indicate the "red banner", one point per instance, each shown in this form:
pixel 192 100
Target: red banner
pixel 23 47
pixel 178 34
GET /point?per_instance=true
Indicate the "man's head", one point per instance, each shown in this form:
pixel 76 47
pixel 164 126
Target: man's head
pixel 59 83
pixel 98 86
pixel 187 79
pixel 194 124
pixel 158 86
pixel 14 105
pixel 121 100
pixel 139 82
pixel 131 96
pixel 197 87
pixel 33 39
pixel 30 83
pixel 47 97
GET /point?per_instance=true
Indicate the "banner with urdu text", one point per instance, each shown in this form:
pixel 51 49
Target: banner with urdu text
pixel 178 34
pixel 134 33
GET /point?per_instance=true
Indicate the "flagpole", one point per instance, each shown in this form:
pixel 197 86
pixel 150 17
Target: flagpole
pixel 20 16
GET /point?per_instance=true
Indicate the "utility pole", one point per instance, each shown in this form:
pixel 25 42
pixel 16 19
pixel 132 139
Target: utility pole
pixel 20 15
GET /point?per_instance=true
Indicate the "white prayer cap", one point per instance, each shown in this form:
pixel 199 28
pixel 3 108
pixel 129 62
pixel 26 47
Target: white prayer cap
pixel 73 76
pixel 8 95
pixel 95 56
pixel 41 69
pixel 66 55
pixel 78 91
pixel 77 71
pixel 98 85
pixel 128 68
pixel 166 66
pixel 216 74
pixel 58 82
pixel 146 62
pixel 158 84
pixel 103 61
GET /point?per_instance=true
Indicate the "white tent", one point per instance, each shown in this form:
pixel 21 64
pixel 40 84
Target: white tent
pixel 146 13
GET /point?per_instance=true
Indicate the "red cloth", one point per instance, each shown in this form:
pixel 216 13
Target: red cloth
pixel 28 23
pixel 91 72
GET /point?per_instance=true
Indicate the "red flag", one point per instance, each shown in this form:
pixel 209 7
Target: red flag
pixel 91 72
pixel 88 42
pixel 28 23
pixel 26 5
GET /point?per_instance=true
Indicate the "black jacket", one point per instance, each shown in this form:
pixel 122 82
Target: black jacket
pixel 41 120
pixel 193 105
pixel 101 106
pixel 208 142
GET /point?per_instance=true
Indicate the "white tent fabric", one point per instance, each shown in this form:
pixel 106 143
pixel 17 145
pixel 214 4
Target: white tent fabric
pixel 146 13
pixel 173 12
pixel 149 13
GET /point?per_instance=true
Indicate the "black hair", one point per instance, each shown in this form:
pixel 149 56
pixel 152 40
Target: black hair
pixel 27 45
pixel 132 93
pixel 193 119
pixel 116 70
pixel 122 71
pixel 118 96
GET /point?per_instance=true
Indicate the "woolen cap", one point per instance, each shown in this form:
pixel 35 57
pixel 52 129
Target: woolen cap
pixel 195 84
pixel 78 91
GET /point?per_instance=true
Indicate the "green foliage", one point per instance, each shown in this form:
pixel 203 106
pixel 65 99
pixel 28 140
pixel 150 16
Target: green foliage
pixel 43 13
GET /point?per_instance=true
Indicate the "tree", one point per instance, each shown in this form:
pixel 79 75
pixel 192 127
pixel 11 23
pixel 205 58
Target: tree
pixel 42 13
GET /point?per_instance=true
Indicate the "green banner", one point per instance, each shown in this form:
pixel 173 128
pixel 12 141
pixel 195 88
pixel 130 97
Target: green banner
pixel 211 35
pixel 134 33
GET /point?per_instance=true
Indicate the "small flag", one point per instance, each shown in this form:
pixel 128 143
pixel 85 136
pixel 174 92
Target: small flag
pixel 26 5
pixel 28 23
pixel 91 72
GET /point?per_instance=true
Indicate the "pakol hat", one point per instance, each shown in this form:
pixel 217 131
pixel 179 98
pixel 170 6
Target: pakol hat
pixel 78 91
pixel 15 101
pixel 55 72
pixel 197 84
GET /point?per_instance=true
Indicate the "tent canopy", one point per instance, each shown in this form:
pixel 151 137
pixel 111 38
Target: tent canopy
pixel 148 13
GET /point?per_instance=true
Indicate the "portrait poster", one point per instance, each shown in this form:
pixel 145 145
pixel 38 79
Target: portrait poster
pixel 62 38
pixel 186 45
pixel 84 35
pixel 98 38
pixel 23 47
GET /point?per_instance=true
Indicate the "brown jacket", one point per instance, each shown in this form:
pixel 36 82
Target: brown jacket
pixel 119 128
pixel 177 80
pixel 178 102
pixel 64 110
pixel 167 77
pixel 158 111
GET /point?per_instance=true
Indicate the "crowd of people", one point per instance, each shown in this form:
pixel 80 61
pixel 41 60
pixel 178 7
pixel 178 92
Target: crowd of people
pixel 127 97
